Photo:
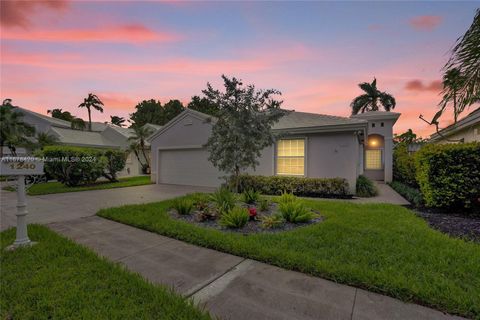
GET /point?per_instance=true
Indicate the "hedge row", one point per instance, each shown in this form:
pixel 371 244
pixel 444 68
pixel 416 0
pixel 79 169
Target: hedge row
pixel 74 165
pixel 449 175
pixel 404 166
pixel 307 187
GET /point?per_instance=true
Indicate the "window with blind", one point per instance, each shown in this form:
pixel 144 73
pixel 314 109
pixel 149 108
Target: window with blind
pixel 373 159
pixel 291 157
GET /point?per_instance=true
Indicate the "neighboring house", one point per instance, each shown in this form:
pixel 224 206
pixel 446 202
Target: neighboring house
pixel 466 129
pixel 103 135
pixel 309 145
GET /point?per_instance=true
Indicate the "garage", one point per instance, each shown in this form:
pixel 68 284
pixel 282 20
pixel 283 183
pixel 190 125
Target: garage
pixel 187 167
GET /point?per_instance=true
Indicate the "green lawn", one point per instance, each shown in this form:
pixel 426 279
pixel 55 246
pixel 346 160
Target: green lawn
pixel 379 247
pixel 57 187
pixel 58 279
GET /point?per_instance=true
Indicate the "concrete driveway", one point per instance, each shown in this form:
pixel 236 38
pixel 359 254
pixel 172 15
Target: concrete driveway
pixel 72 205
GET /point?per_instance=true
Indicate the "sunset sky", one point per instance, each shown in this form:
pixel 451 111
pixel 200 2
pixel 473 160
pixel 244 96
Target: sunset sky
pixel 53 53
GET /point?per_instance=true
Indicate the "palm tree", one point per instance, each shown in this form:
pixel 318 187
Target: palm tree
pixel 371 99
pixel 453 81
pixel 44 139
pixel 118 121
pixel 138 143
pixel 92 101
pixel 13 131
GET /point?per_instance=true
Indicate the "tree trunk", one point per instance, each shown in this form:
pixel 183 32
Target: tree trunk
pixel 144 155
pixel 455 111
pixel 89 120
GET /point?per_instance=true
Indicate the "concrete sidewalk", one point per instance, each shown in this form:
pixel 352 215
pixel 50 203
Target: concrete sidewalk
pixel 232 287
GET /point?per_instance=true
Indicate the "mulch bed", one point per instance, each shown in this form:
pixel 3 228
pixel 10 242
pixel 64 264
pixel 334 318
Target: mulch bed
pixel 252 226
pixel 456 225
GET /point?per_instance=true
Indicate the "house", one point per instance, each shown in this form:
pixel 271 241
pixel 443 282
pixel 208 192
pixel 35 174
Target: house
pixel 466 129
pixel 103 135
pixel 308 145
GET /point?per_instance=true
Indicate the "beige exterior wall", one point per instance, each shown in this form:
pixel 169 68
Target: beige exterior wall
pixel 471 134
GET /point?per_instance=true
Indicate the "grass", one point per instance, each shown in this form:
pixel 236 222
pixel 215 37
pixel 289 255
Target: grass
pixel 379 247
pixel 58 279
pixel 57 187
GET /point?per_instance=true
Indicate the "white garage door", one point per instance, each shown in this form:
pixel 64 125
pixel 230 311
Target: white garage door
pixel 187 167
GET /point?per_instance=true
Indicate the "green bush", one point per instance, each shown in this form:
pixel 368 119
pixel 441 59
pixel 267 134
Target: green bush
pixel 365 187
pixel 293 209
pixel 250 196
pixel 449 174
pixel 234 218
pixel 272 222
pixel 114 161
pixel 264 204
pixel 414 196
pixel 73 165
pixel 224 200
pixel 307 187
pixel 404 165
pixel 183 206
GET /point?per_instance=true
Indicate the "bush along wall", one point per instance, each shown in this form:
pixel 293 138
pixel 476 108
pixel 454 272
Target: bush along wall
pixel 449 175
pixel 74 165
pixel 365 187
pixel 307 187
pixel 404 165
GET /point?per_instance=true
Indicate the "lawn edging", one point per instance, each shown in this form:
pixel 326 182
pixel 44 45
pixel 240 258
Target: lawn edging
pixel 378 247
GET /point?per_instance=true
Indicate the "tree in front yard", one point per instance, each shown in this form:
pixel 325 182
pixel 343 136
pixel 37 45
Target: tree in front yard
pixel 13 131
pixel 243 126
pixel 203 105
pixel 138 144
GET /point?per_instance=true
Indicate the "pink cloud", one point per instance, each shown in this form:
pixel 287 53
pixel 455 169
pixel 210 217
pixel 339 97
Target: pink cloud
pixel 425 23
pixel 127 33
pixel 19 13
pixel 418 85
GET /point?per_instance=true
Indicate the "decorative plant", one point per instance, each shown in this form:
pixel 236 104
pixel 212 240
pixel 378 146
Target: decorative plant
pixel 287 198
pixel 224 200
pixel 250 196
pixel 264 204
pixel 235 218
pixel 272 222
pixel 295 212
pixel 206 214
pixel 183 206
pixel 253 213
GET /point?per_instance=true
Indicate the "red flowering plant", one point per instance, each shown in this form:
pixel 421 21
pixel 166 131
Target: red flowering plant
pixel 252 212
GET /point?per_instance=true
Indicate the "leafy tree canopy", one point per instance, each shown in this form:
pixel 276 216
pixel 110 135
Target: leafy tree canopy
pixel 203 105
pixel 118 121
pixel 243 126
pixel 13 131
pixel 372 99
pixel 152 111
pixel 92 101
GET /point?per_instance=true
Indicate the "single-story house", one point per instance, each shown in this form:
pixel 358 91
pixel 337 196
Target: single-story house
pixel 308 145
pixel 466 129
pixel 103 135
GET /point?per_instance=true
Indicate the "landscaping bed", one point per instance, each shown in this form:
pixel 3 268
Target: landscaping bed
pixel 58 279
pixel 57 187
pixel 378 247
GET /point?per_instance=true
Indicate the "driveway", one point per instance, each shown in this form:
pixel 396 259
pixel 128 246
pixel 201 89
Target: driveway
pixel 67 206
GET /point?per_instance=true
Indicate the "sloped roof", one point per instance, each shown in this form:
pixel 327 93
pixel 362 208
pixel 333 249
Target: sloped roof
pixel 296 120
pixel 54 121
pixel 82 138
pixel 127 132
pixel 471 119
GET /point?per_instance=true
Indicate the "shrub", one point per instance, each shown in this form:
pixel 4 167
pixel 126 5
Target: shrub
pixel 114 162
pixel 287 198
pixel 272 222
pixel 73 165
pixel 365 187
pixel 414 196
pixel 183 206
pixel 449 174
pixel 235 218
pixel 404 165
pixel 250 196
pixel 307 187
pixel 263 205
pixel 295 212
pixel 224 200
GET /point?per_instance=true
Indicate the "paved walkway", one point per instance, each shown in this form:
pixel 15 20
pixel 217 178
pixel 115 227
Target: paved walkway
pixel 228 286
pixel 385 195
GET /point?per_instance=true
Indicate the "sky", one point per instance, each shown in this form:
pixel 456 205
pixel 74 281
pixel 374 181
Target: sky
pixel 53 53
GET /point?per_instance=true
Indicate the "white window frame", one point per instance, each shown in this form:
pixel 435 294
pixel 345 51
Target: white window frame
pixel 276 157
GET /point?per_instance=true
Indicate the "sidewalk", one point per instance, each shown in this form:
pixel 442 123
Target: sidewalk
pixel 232 287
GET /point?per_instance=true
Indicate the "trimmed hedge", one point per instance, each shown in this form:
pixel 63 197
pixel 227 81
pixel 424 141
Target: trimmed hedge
pixel 75 165
pixel 449 174
pixel 404 165
pixel 306 187
pixel 414 196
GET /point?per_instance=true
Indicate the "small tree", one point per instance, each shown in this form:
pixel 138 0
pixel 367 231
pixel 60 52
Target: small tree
pixel 243 126
pixel 13 131
pixel 92 101
pixel 118 121
pixel 147 111
pixel 138 144
pixel 114 163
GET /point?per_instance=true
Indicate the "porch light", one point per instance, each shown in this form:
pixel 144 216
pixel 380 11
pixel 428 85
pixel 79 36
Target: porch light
pixel 373 142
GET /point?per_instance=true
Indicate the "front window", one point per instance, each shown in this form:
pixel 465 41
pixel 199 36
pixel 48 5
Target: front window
pixel 291 157
pixel 373 159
